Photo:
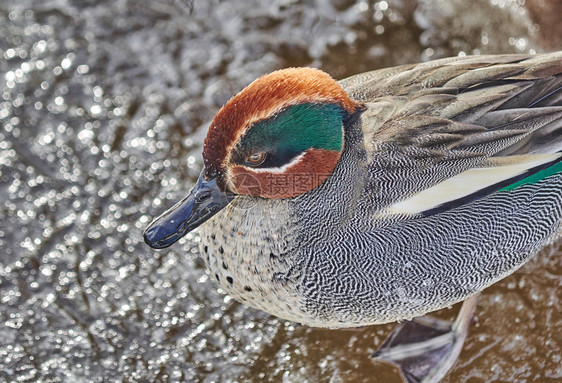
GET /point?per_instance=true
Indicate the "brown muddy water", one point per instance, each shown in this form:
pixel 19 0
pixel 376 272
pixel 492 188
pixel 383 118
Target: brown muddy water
pixel 103 110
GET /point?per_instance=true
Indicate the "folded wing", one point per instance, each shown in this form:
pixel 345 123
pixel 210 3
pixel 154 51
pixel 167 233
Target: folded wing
pixel 445 133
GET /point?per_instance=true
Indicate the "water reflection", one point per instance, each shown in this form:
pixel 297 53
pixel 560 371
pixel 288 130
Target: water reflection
pixel 103 110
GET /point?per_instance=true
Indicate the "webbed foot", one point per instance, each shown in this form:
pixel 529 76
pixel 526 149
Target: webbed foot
pixel 424 349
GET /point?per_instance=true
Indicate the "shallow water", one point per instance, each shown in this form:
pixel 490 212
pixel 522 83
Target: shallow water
pixel 103 111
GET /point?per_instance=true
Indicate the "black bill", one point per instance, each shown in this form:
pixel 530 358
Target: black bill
pixel 204 201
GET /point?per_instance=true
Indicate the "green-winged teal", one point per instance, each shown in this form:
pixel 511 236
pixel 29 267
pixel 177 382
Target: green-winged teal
pixel 381 197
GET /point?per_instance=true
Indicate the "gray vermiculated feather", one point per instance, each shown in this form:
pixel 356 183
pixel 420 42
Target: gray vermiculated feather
pixel 327 259
pixel 410 171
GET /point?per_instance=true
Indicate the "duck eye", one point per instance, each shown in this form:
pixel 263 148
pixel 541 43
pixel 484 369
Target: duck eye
pixel 256 159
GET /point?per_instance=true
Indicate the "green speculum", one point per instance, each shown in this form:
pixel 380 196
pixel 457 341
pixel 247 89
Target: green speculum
pixel 292 131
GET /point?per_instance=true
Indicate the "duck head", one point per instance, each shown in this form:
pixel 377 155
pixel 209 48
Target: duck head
pixel 280 137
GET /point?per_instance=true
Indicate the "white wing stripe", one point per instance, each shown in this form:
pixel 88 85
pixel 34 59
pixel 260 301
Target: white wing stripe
pixel 468 182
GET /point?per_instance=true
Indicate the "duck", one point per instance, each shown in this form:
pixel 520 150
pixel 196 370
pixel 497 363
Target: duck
pixel 381 197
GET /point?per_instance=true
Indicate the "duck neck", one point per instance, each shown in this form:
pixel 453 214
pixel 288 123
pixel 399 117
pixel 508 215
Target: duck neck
pixel 324 210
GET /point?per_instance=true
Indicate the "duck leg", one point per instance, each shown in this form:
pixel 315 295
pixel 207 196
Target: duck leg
pixel 424 349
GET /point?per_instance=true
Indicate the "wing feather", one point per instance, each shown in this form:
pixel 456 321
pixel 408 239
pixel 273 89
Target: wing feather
pixel 451 129
pixel 470 182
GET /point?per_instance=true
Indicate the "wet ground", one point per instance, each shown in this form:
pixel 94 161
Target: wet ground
pixel 103 110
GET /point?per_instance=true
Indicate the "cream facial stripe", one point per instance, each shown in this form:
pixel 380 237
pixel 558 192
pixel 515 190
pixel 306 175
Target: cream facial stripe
pixel 280 169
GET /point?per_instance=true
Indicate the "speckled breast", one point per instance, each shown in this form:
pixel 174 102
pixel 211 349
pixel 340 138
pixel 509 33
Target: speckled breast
pixel 247 250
